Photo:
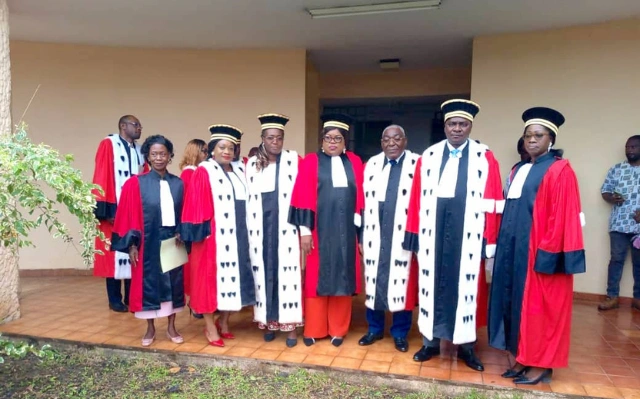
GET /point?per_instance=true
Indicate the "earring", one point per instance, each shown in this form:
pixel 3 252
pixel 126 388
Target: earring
pixel 322 149
pixel 344 150
pixel 550 146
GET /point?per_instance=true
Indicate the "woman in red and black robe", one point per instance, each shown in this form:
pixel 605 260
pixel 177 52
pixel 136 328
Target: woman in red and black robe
pixel 540 248
pixel 149 213
pixel 326 205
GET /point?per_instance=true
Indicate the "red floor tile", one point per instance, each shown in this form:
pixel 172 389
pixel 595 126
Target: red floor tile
pixel 604 357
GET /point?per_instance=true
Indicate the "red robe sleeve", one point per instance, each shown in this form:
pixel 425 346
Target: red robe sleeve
pixel 128 230
pixel 128 227
pixel 197 209
pixel 413 215
pixel 494 195
pixel 561 249
pixel 103 177
pixel 304 198
pixel 196 229
pixel 186 176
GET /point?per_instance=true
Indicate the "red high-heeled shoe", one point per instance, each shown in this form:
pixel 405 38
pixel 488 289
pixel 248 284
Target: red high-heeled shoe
pixel 219 342
pixel 226 335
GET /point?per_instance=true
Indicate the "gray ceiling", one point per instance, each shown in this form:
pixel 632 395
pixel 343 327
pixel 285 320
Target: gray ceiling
pixel 420 38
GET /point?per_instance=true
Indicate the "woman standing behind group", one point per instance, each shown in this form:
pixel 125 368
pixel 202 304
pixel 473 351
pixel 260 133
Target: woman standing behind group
pixel 275 246
pixel 327 206
pixel 194 154
pixel 539 248
pixel 214 221
pixel 149 213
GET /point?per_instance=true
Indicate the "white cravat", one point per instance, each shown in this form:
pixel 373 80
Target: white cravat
pixel 267 179
pixel 515 189
pixel 449 178
pixel 166 205
pixel 338 174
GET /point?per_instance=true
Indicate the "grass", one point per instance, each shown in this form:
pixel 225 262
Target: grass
pixel 87 374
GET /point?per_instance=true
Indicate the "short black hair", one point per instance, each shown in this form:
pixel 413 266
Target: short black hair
pixel 155 139
pixel 634 137
pixel 124 119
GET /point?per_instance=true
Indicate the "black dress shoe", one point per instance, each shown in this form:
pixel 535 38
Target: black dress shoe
pixel 269 336
pixel 511 373
pixel 195 315
pixel 337 341
pixel 544 377
pixel 118 307
pixel 308 341
pixel 470 359
pixel 425 353
pixel 291 342
pixel 369 338
pixel 401 344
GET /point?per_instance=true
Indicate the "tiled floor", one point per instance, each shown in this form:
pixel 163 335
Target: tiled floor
pixel 605 351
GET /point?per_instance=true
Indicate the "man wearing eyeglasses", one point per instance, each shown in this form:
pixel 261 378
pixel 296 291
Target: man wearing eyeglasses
pixel 452 226
pixel 118 158
pixel 390 271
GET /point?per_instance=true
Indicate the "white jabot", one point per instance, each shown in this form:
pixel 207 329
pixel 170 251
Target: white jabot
pixel 267 179
pixel 338 174
pixel 166 205
pixel 238 187
pixel 449 178
pixel 515 189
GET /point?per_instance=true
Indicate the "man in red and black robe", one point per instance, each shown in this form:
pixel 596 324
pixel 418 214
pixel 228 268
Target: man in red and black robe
pixel 452 226
pixel 118 158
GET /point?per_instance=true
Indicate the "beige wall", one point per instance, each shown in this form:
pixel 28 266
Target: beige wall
pixel 178 93
pixel 401 83
pixel 590 74
pixel 313 109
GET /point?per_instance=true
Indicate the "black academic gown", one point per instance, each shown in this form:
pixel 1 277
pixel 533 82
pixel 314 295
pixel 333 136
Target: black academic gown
pixel 512 256
pixel 448 241
pixel 336 230
pixel 387 213
pixel 270 227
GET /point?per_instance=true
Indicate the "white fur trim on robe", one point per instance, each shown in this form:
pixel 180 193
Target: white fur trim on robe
pixel 228 278
pixel 375 185
pixel 472 237
pixel 289 273
pixel 121 166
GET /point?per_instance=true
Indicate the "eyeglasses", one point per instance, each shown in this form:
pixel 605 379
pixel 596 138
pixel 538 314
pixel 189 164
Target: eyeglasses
pixel 396 139
pixel 538 136
pixel 272 139
pixel 135 124
pixel 332 139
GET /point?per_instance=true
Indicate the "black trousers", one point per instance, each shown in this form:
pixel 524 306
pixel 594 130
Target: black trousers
pixel 114 290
